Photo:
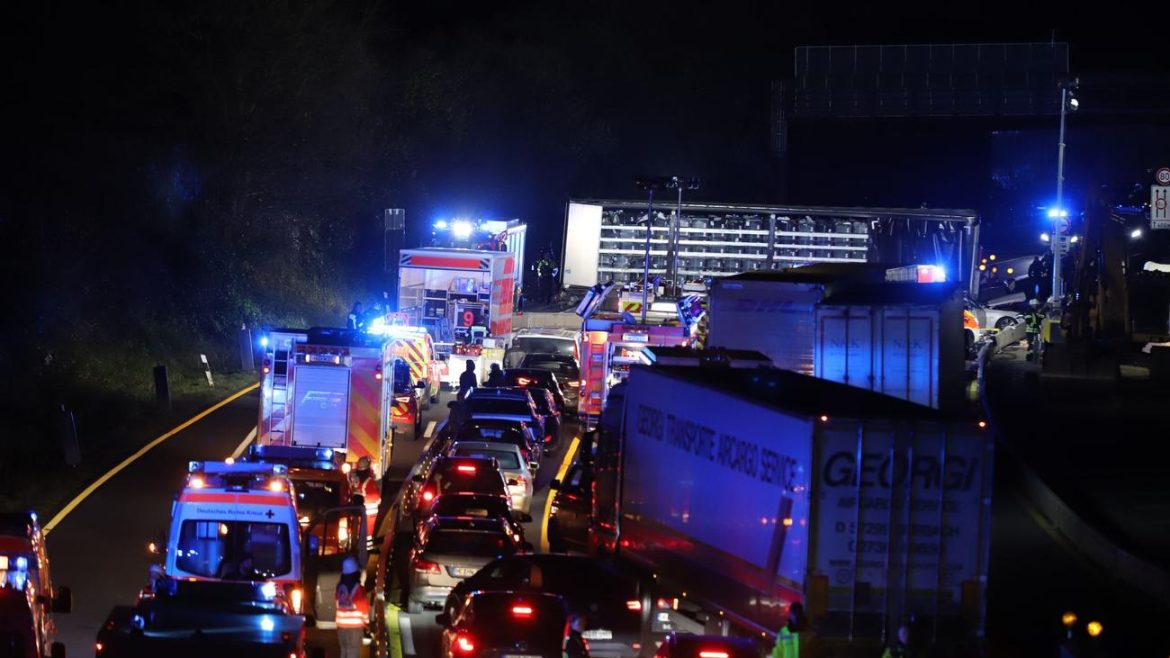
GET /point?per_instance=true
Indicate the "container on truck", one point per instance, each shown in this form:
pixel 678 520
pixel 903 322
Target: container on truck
pixel 743 490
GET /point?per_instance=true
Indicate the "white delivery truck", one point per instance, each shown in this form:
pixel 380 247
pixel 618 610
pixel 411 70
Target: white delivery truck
pixel 743 490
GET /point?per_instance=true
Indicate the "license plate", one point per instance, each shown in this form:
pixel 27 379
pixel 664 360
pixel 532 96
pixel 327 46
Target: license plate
pixel 463 572
pixel 597 634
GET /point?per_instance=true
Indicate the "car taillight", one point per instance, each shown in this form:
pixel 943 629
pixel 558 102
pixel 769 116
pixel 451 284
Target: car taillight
pixel 522 611
pixel 297 597
pixel 427 495
pixel 343 531
pixel 633 604
pixel 426 566
pixel 464 644
pixel 548 438
pixel 465 468
pixel 712 653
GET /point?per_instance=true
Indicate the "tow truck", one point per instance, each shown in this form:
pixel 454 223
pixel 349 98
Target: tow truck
pixel 325 388
pixel 463 297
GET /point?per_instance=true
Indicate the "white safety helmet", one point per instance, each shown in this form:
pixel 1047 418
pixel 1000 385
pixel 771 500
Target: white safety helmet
pixel 349 566
pixel 1034 302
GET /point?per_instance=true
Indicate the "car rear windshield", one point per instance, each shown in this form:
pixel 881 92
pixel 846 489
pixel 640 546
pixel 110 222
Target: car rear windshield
pixel 492 434
pixel 483 480
pixel 479 543
pixel 508 459
pixel 508 407
pixel 316 496
pixel 543 345
pixel 501 618
pixel 562 368
pixel 215 549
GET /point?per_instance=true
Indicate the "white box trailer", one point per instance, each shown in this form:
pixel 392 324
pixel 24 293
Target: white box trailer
pixel 749 489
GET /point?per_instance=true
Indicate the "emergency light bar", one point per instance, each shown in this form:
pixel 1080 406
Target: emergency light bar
pixel 237 468
pixel 296 455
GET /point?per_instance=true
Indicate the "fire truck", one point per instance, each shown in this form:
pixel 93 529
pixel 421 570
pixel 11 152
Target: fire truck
pixel 463 297
pixel 326 388
pixel 418 373
pixel 610 346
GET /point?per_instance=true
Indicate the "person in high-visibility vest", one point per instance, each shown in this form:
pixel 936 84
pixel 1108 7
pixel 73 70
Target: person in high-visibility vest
pixel 1032 323
pixel 792 638
pixel 353 609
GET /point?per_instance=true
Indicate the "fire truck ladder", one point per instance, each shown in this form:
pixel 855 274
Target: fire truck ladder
pixel 280 353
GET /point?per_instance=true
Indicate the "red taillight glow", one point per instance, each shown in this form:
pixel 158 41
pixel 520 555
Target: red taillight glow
pixel 426 566
pixel 523 381
pixel 428 496
pixel 98 646
pixel 465 468
pixel 521 611
pixel 662 603
pixel 712 653
pixel 548 438
pixel 633 604
pixel 463 643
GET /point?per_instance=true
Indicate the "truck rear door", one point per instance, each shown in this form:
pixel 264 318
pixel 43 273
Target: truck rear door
pixel 321 411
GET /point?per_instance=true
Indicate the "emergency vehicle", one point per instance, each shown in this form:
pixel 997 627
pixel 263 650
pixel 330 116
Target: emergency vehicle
pixel 417 372
pixel 608 349
pixel 463 297
pixel 27 596
pixel 231 512
pixel 326 388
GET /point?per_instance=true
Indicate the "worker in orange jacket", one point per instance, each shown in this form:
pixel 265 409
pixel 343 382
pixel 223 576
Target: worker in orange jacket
pixel 363 483
pixel 353 609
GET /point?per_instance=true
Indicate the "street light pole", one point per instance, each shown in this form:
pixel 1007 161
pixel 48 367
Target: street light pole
pixel 1060 215
pixel 646 266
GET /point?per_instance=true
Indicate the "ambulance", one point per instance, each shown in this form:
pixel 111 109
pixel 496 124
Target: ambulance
pixel 237 521
pixel 328 388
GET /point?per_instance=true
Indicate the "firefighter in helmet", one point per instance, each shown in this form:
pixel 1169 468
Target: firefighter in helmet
pixel 1033 320
pixel 363 483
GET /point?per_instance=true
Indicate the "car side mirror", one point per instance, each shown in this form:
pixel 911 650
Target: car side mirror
pixel 522 517
pixel 555 485
pixel 443 619
pixel 63 601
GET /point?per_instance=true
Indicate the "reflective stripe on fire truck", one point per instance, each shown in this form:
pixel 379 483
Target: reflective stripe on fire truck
pixel 365 399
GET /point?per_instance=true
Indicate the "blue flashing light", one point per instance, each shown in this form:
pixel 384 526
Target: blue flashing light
pixel 21 563
pixel 268 589
pixel 266 623
pixel 441 224
pixel 461 229
pixel 264 341
pixel 325 453
pixel 1053 213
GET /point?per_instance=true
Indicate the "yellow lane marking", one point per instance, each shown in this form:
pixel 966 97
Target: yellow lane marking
pixel 549 499
pixel 244 444
pixel 394 632
pixel 145 449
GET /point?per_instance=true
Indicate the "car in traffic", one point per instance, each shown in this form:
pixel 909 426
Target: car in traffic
pixel 571 509
pixel 687 645
pixel 518 433
pixel 515 404
pixel 541 341
pixel 459 475
pixel 28 598
pixel 608 599
pixel 448 549
pixel 533 378
pixel 512 465
pixel 564 369
pixel 478 506
pixel 529 624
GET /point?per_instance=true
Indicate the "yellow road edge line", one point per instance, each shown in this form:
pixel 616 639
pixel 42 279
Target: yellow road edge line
pixel 60 516
pixel 549 499
pixel 244 444
pixel 393 632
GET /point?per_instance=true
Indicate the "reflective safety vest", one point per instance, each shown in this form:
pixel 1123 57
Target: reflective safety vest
pixel 1032 322
pixel 787 644
pixel 353 609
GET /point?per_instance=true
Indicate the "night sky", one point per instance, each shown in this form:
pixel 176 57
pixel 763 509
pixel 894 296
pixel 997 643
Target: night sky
pixel 224 160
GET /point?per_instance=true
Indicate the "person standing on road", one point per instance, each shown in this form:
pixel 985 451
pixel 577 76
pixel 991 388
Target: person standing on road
pixel 1032 323
pixel 467 380
pixel 495 376
pixel 357 317
pixel 353 609
pixel 792 640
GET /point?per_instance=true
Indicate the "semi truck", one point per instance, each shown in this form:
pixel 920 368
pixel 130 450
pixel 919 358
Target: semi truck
pixel 741 490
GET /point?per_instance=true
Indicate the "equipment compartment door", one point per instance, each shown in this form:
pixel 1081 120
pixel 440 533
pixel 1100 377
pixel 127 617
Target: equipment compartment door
pixel 321 415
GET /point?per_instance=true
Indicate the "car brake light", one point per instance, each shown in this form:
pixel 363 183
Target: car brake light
pixel 465 468
pixel 428 496
pixel 522 611
pixel 548 438
pixel 296 598
pixel 464 644
pixel 711 653
pixel 662 604
pixel 426 566
pixel 523 381
pixel 633 604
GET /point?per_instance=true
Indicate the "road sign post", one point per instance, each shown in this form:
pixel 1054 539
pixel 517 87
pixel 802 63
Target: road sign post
pixel 1160 205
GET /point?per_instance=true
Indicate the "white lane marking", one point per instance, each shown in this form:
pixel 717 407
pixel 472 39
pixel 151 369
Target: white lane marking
pixel 244 444
pixel 407 635
pixel 430 429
